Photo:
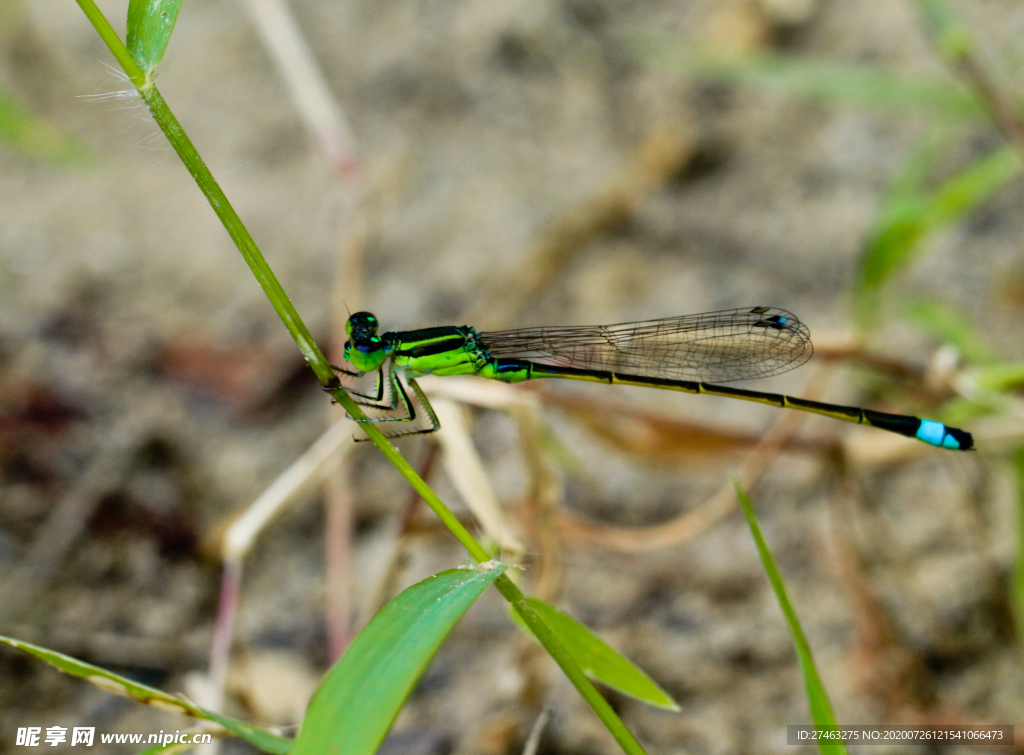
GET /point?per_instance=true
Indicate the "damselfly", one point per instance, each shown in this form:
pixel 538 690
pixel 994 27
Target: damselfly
pixel 691 354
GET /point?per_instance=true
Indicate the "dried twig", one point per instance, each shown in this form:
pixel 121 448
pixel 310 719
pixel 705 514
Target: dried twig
pixel 691 523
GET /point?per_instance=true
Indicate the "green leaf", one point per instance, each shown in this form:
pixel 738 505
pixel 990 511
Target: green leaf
pixel 125 687
pixel 821 708
pixel 359 698
pixel 818 80
pixel 38 139
pixel 150 23
pixel 598 659
pixel 910 216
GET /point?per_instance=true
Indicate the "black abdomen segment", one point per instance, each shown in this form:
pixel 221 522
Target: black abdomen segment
pixel 933 433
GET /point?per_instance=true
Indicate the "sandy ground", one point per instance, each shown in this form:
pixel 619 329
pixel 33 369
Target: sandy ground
pixel 145 373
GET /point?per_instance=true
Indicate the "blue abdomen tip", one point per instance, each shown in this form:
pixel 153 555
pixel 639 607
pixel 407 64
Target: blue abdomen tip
pixel 934 433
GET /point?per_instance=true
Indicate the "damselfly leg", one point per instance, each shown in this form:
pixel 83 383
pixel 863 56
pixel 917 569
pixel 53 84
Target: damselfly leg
pixel 393 404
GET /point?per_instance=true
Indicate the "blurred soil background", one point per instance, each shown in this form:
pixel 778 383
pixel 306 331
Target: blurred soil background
pixel 529 163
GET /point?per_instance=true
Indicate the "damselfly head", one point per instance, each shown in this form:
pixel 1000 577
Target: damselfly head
pixel 361 325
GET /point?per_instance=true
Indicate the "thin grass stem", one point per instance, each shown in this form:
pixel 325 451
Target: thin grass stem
pixel 318 363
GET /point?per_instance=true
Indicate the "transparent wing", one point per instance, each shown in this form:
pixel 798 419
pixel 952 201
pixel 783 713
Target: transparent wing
pixel 713 347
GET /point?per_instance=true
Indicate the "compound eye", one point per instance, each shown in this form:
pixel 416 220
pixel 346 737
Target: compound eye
pixel 369 345
pixel 361 325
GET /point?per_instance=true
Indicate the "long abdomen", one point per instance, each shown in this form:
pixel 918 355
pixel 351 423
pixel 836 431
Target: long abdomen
pixel 926 430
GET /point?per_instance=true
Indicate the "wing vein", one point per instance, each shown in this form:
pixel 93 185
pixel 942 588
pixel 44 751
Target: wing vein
pixel 723 346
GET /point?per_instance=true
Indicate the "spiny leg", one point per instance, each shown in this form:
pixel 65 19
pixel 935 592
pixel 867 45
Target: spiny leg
pixel 435 424
pixel 398 390
pixel 377 401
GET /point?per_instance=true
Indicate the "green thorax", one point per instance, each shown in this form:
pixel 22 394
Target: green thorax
pixel 439 351
pixel 436 351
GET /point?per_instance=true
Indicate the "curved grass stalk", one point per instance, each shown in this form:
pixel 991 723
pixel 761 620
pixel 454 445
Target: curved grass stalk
pixel 318 363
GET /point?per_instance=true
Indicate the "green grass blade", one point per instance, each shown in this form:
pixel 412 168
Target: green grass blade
pixel 1000 377
pixel 321 367
pixel 34 137
pixel 170 749
pixel 819 80
pixel 908 218
pixel 821 708
pixel 946 325
pixel 951 36
pixel 969 188
pixel 359 698
pixel 120 685
pixel 150 23
pixel 265 276
pixel 1017 579
pixel 598 659
pixel 539 629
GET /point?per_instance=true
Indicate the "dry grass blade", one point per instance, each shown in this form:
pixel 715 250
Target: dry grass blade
pixel 717 507
pixel 401 528
pixel 654 437
pixel 533 741
pixel 545 492
pixel 953 42
pixel 466 470
pixel 486 394
pixel 845 346
pixel 316 104
pixel 325 120
pixel 303 477
pixel 542 502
